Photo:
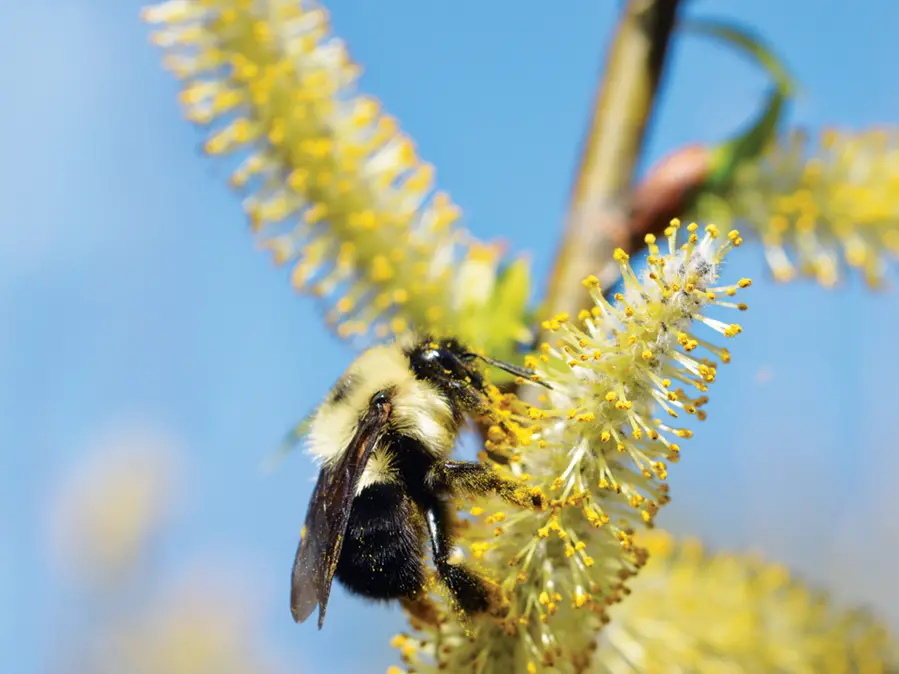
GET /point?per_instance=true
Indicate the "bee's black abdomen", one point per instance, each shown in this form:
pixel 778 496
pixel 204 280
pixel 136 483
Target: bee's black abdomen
pixel 382 555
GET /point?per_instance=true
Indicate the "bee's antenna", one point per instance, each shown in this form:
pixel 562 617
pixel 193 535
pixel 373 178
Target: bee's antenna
pixel 508 367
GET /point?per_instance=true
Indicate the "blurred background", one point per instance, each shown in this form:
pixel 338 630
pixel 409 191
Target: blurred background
pixel 151 358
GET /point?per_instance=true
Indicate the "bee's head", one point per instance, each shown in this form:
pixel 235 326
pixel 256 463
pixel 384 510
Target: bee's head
pixel 446 364
pixel 452 368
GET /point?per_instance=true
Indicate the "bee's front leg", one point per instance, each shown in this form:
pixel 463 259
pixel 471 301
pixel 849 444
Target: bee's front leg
pixel 478 479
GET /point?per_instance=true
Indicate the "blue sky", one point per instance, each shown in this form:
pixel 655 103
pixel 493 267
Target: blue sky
pixel 130 291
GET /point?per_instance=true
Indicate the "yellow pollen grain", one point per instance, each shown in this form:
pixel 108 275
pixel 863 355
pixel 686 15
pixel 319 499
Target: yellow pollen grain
pixel 478 549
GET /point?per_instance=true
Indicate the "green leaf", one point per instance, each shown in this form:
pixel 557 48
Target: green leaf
pixel 498 325
pixel 751 44
pixel 750 143
pixel 747 145
pixel 510 299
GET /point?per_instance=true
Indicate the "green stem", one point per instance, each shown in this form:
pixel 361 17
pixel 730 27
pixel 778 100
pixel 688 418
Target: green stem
pixel 598 218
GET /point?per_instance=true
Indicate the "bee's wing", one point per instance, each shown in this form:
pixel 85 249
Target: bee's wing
pixel 305 590
pixel 326 522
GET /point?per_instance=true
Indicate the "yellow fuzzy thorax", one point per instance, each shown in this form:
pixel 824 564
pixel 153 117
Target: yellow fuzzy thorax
pixel 418 409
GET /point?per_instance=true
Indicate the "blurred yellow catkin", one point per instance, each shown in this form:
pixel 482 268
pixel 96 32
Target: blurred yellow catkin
pixel 109 517
pixel 196 626
pixel 106 513
pixel 692 611
pixel 818 206
pixel 333 187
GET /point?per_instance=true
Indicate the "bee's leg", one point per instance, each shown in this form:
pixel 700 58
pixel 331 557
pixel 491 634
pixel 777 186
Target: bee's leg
pixel 421 608
pixel 471 593
pixel 476 478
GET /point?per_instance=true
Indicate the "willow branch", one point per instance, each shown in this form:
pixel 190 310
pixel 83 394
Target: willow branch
pixel 600 209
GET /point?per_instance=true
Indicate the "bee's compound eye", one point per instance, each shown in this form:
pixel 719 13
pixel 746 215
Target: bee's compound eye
pixel 380 398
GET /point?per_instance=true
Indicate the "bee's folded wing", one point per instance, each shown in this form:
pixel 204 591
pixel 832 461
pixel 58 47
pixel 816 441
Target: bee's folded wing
pixel 326 522
pixel 311 558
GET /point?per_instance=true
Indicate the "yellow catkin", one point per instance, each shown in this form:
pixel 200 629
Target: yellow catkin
pixel 820 208
pixel 331 185
pixel 704 612
pixel 605 436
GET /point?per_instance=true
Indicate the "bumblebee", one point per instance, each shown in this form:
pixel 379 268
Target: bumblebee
pixel 383 436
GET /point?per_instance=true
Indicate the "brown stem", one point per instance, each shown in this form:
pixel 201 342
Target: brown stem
pixel 604 214
pixel 599 214
pixel 666 192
